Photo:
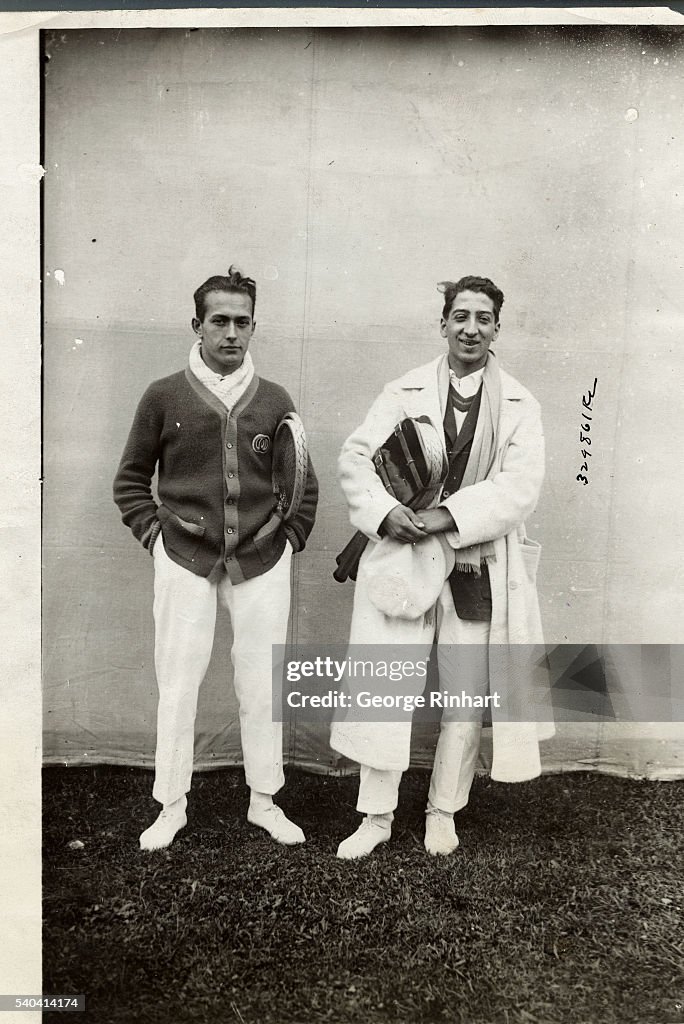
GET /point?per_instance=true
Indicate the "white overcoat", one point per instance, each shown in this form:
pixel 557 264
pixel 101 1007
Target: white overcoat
pixel 494 510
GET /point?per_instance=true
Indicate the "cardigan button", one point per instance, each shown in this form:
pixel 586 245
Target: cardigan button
pixel 230 529
pixel 228 444
pixel 231 475
pixel 445 494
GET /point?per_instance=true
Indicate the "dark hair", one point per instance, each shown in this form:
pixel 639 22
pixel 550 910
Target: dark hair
pixel 471 284
pixel 232 282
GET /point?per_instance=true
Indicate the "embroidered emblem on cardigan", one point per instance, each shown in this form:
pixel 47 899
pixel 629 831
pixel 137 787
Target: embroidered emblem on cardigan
pixel 261 443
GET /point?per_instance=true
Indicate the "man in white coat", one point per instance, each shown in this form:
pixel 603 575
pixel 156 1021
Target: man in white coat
pixel 485 599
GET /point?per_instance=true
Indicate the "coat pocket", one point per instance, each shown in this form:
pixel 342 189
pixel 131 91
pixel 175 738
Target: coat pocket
pixel 180 535
pixel 530 551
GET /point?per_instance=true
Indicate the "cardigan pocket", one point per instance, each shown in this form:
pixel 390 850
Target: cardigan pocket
pixel 180 535
pixel 265 538
pixel 530 551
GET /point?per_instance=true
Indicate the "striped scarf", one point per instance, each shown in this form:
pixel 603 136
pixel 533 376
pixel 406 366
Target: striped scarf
pixel 481 459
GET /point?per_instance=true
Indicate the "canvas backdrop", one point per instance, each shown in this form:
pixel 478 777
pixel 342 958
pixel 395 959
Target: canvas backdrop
pixel 348 171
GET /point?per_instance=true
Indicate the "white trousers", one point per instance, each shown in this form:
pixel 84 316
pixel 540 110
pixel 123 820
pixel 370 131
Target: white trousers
pixel 185 619
pixel 462 656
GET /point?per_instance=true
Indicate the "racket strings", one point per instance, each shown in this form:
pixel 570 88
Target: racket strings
pixel 434 454
pixel 290 465
pixel 284 468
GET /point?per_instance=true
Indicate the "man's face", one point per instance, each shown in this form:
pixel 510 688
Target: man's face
pixel 226 330
pixel 469 329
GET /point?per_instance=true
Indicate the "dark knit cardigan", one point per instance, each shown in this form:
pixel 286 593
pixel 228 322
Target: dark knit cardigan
pixel 214 479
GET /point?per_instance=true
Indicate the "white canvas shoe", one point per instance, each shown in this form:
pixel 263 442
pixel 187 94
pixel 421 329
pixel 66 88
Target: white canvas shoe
pixel 440 834
pixel 373 830
pixel 162 833
pixel 277 824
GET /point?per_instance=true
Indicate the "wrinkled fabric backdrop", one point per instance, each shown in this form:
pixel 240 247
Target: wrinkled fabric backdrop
pixel 348 171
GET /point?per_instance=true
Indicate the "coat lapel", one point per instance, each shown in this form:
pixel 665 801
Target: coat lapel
pixel 512 389
pixel 422 389
pixel 425 389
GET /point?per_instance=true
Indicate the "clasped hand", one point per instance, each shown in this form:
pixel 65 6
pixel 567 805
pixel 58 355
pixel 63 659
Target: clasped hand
pixel 409 527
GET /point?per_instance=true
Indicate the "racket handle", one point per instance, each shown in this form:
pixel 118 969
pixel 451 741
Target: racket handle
pixel 348 559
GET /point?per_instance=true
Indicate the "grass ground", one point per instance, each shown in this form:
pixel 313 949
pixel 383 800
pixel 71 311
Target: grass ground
pixel 563 905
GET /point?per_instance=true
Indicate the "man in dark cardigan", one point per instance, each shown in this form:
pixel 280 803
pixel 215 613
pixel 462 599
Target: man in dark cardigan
pixel 214 536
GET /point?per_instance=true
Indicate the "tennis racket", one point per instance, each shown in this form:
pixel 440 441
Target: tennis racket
pixel 290 464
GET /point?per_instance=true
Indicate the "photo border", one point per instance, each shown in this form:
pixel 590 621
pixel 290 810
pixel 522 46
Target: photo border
pixel 20 256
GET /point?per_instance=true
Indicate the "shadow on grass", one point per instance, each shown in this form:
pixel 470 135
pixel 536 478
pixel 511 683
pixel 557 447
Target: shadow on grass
pixel 561 906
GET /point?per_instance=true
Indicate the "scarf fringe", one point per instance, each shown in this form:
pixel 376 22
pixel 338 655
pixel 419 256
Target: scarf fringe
pixel 467 566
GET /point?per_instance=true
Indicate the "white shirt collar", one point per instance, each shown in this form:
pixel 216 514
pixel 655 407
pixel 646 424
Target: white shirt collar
pixel 468 385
